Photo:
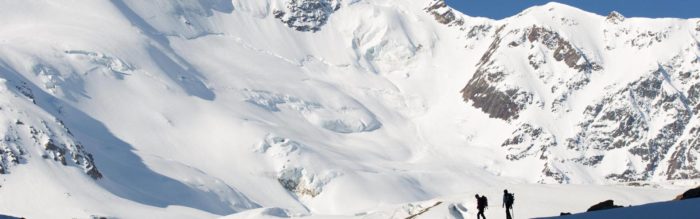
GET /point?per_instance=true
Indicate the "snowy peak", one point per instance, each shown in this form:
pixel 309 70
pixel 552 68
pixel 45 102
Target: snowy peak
pixel 551 13
pixel 444 14
pixel 615 17
pixel 548 60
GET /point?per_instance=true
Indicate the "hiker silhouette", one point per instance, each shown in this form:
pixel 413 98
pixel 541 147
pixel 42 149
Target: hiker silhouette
pixel 508 199
pixel 481 203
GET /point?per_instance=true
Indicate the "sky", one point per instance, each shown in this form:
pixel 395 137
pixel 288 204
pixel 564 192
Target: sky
pixel 498 9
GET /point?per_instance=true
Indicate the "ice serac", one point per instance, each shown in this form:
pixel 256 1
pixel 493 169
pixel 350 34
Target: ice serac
pixel 306 15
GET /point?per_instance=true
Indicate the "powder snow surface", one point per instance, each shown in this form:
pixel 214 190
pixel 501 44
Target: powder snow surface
pixel 215 108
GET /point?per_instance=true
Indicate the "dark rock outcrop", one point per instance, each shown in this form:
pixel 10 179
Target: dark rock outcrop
pixel 444 14
pixel 563 49
pixel 28 129
pixel 490 88
pixel 495 103
pixel 624 120
pixel 691 193
pixel 605 205
pixel 483 93
pixel 615 17
pixel 529 141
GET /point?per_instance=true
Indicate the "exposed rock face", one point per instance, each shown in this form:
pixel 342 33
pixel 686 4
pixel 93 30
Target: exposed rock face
pixel 444 14
pixel 497 104
pixel 535 142
pixel 482 91
pixel 563 50
pixel 647 120
pixel 624 120
pixel 492 88
pixel 552 174
pixel 307 15
pixel 30 128
pixel 615 17
pixel 647 39
pixel 9 155
pixel 478 31
pixel 684 159
pixel 528 141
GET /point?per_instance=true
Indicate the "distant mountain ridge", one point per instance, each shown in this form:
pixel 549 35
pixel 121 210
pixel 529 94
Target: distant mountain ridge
pixel 542 62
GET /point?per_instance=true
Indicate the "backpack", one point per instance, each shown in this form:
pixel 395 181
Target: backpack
pixel 510 198
pixel 485 201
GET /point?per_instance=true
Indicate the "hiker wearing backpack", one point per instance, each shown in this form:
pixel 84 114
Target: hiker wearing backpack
pixel 508 199
pixel 481 203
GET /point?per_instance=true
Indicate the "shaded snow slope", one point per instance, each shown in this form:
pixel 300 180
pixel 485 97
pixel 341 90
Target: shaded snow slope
pixel 670 209
pixel 276 108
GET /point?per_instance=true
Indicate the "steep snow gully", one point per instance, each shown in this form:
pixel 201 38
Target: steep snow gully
pixel 339 109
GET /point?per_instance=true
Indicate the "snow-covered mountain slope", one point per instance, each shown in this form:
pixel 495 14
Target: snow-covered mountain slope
pixel 612 96
pixel 439 209
pixel 202 109
pixel 531 201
